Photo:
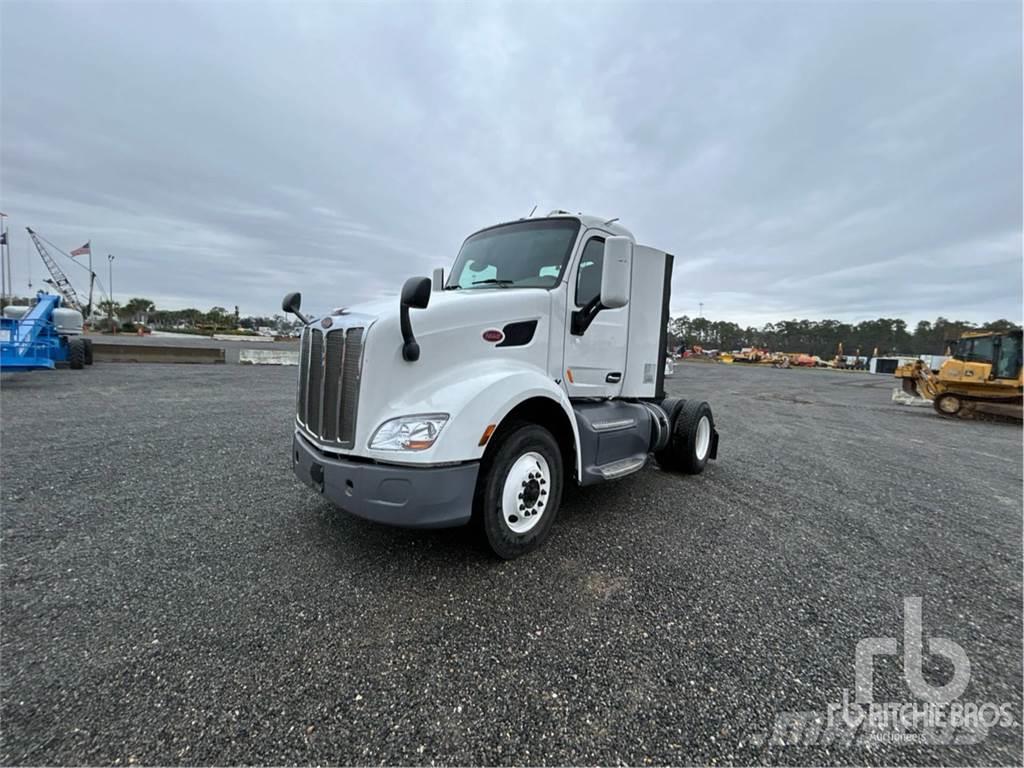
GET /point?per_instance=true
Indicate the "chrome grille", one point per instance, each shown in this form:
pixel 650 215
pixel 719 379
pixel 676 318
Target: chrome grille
pixel 329 383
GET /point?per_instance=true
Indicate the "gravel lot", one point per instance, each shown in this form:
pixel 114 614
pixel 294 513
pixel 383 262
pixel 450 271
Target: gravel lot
pixel 170 594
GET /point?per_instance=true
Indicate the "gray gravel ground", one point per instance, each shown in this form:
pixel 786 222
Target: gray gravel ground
pixel 170 594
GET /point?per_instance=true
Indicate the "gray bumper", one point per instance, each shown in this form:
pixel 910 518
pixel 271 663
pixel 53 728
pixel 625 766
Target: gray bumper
pixel 414 497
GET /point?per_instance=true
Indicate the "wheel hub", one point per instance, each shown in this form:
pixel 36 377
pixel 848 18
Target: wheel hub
pixel 531 492
pixel 525 491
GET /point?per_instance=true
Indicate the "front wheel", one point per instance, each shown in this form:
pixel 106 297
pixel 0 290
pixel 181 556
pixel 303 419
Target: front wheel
pixel 948 405
pixel 520 491
pixel 88 351
pixel 76 353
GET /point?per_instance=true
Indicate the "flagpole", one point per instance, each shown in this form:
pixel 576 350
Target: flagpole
pixel 110 287
pixel 92 277
pixel 3 266
pixel 5 262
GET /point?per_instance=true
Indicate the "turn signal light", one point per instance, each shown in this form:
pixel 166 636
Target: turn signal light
pixel 487 434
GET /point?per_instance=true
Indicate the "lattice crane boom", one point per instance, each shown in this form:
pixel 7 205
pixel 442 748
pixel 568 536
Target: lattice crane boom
pixel 60 280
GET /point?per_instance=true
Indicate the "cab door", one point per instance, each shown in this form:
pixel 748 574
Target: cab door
pixel 595 361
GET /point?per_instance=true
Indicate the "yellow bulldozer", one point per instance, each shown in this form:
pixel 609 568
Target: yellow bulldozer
pixel 982 376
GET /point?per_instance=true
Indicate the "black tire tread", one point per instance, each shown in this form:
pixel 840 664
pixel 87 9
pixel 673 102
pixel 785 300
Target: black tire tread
pixel 667 457
pixel 512 442
pixel 76 354
pixel 686 429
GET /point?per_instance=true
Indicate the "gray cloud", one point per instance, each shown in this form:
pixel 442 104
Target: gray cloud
pixel 801 160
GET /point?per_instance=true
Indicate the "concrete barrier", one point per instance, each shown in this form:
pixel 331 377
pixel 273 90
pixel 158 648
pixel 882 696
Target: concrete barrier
pixel 268 357
pixel 247 339
pixel 112 352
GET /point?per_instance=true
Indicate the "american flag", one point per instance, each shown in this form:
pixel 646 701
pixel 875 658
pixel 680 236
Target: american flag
pixel 85 249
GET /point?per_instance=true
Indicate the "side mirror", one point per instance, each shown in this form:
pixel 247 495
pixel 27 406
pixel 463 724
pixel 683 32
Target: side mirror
pixel 291 303
pixel 616 271
pixel 415 295
pixel 416 292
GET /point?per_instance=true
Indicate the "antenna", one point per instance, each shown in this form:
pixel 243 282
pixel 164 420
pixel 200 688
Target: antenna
pixel 611 221
pixel 532 212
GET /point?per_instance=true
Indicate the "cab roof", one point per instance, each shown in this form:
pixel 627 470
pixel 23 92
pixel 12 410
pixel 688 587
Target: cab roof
pixel 609 225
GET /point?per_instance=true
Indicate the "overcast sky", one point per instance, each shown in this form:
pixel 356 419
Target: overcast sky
pixel 848 160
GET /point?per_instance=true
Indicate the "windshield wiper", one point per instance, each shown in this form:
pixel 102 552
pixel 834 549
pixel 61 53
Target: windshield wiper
pixel 494 281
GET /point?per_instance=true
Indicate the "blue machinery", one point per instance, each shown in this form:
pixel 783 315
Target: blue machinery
pixel 33 341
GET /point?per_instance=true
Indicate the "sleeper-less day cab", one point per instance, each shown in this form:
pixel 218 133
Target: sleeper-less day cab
pixel 539 360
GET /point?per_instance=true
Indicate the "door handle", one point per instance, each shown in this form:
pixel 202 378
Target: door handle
pixel 614 377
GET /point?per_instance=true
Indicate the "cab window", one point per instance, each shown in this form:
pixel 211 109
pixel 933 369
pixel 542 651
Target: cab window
pixel 975 350
pixel 588 277
pixel 1008 360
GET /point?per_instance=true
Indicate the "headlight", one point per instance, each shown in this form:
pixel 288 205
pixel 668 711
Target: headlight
pixel 408 433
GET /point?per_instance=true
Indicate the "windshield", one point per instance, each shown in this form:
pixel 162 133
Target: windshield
pixel 526 254
pixel 977 349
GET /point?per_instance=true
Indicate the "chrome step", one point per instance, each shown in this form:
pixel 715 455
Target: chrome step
pixel 622 467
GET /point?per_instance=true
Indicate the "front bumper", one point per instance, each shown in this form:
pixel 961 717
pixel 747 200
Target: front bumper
pixel 413 497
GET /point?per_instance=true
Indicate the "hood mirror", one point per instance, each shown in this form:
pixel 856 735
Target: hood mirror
pixel 291 304
pixel 415 295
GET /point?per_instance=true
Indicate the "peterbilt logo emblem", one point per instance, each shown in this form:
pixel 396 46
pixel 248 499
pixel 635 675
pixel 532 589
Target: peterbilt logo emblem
pixel 493 335
pixel 327 322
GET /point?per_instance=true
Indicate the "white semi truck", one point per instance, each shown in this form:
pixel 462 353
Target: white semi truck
pixel 538 361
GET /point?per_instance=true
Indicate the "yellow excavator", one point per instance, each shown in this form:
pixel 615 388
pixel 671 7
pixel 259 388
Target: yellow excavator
pixel 982 376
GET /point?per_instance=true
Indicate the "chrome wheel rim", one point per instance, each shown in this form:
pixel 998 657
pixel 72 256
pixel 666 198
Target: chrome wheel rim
pixel 524 496
pixel 703 441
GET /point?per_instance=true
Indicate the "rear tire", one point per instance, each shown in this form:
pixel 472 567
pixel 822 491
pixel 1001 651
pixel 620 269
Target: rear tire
pixel 666 456
pixel 691 443
pixel 520 490
pixel 88 351
pixel 76 353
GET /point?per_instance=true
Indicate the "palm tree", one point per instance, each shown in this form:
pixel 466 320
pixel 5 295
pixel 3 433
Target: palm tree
pixel 137 310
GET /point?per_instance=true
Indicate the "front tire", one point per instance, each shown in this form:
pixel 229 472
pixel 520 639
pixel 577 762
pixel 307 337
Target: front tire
pixel 88 351
pixel 520 490
pixel 948 405
pixel 76 354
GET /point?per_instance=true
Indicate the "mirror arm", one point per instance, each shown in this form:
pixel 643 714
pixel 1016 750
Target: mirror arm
pixel 582 318
pixel 410 347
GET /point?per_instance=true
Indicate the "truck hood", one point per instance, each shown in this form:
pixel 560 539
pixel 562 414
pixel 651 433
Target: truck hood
pixel 458 316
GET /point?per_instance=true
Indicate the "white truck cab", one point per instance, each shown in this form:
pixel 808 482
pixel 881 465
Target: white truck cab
pixel 539 360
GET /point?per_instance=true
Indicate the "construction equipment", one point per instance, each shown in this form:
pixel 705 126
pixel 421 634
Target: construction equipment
pixel 60 281
pixel 749 355
pixel 42 336
pixel 982 376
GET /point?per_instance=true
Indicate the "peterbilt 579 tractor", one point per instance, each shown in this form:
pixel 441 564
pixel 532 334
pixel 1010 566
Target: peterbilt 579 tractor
pixel 537 361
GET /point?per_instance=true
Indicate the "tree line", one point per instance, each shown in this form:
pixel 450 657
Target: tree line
pixel 139 311
pixel 889 336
